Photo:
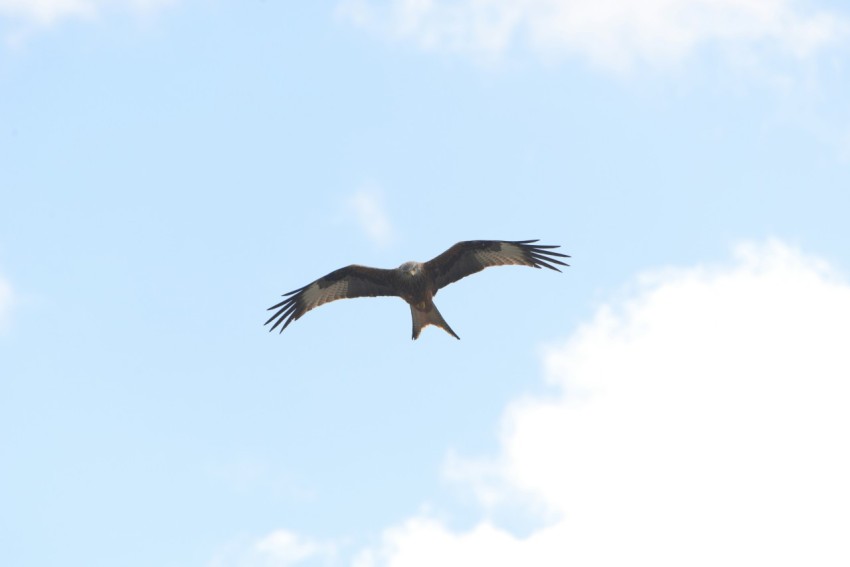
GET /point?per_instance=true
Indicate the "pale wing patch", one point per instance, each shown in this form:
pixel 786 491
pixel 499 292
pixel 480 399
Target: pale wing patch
pixel 316 295
pixel 509 255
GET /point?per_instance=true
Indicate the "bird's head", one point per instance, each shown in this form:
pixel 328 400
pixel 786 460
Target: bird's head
pixel 411 268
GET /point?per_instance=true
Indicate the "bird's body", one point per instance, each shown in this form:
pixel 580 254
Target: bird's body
pixel 415 282
pixel 419 293
pixel 416 288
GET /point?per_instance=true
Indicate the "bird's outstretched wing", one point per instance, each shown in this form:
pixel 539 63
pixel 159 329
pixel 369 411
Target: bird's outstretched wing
pixel 466 258
pixel 351 281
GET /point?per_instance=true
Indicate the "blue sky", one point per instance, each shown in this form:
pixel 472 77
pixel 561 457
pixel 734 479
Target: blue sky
pixel 168 168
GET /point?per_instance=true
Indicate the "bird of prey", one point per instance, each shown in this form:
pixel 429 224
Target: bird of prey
pixel 415 282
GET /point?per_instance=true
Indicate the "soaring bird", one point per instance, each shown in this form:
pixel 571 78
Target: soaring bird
pixel 415 282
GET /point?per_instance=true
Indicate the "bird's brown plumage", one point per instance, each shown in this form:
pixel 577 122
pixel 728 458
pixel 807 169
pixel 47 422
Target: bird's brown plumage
pixel 416 283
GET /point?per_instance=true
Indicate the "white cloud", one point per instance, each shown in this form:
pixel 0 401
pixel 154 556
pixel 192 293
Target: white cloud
pixel 6 298
pixel 367 207
pixel 702 422
pixel 614 34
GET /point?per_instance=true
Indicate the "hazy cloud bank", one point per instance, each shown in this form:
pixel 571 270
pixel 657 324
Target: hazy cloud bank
pixel 612 34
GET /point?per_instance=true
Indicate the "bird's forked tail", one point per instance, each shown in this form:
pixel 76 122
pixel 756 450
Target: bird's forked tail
pixel 422 319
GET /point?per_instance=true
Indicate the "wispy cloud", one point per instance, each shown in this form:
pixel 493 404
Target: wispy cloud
pixel 47 12
pixel 27 16
pixel 703 420
pixel 367 208
pixel 280 548
pixel 287 548
pixel 613 34
pixel 6 299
